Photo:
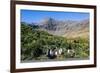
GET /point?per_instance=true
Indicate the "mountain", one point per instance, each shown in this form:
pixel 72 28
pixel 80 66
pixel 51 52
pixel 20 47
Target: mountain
pixel 78 29
pixel 35 43
pixel 68 28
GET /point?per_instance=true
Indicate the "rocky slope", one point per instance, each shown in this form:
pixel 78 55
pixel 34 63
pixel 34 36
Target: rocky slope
pixel 68 28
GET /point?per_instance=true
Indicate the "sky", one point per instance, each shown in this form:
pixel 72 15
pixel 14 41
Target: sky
pixel 33 16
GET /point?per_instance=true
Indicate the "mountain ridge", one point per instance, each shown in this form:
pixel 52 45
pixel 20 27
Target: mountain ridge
pixel 68 28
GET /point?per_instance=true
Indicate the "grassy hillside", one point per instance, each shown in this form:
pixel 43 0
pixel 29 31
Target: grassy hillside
pixel 35 44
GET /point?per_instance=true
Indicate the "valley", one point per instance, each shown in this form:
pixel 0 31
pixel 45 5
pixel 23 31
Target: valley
pixel 51 39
